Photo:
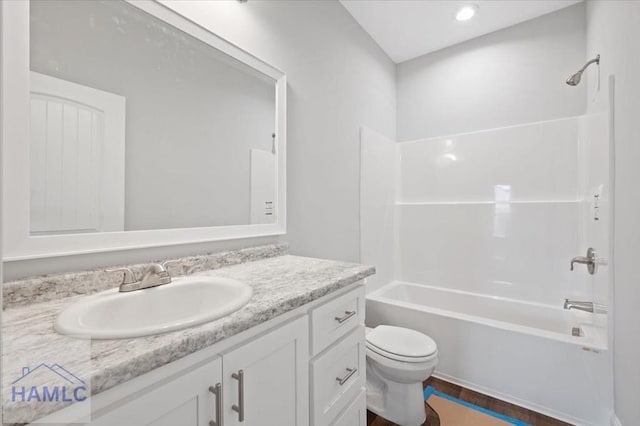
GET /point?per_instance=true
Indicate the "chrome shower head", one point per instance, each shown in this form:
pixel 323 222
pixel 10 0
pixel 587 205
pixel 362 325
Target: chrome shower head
pixel 574 80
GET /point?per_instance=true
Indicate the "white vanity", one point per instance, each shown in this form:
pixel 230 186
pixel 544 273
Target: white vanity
pixel 304 368
pixel 294 355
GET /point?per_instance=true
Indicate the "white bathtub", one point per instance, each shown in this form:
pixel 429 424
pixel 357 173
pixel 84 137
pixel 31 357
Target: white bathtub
pixel 520 352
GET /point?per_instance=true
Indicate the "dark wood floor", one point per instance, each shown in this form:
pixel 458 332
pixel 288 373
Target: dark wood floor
pixel 481 400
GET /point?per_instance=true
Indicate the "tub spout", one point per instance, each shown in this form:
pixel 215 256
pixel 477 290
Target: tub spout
pixel 581 306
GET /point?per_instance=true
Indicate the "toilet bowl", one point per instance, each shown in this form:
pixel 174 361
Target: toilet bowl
pixel 398 361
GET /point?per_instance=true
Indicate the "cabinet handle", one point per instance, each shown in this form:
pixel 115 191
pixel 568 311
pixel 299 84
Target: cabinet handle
pixel 350 372
pixel 347 315
pixel 217 391
pixel 240 407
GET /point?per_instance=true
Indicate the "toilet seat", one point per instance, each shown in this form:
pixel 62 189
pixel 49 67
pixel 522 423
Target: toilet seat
pixel 401 344
pixel 396 357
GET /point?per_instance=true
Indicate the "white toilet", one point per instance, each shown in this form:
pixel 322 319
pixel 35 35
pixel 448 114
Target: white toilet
pixel 398 361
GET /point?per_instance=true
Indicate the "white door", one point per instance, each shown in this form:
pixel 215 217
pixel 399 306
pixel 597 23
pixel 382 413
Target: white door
pixel 188 400
pixel 266 381
pixel 77 157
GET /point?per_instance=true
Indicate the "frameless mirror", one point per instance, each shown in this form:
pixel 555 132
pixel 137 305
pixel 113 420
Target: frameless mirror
pixel 128 125
pixel 137 125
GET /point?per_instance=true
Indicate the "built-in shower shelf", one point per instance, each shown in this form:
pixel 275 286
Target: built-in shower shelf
pixel 452 203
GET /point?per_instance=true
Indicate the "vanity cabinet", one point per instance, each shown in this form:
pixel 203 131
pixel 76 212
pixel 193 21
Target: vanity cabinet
pixel 266 378
pixel 305 367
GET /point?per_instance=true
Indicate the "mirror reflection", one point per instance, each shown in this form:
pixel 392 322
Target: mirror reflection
pixel 136 125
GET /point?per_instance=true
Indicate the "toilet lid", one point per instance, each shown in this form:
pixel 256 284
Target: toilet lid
pixel 401 341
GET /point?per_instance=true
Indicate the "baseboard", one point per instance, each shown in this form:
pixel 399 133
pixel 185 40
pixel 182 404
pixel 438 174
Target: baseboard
pixel 516 401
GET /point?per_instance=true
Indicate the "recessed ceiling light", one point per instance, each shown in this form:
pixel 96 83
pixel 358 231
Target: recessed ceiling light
pixel 466 12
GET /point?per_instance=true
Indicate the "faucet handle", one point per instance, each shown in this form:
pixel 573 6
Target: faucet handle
pixel 591 260
pixel 177 270
pixel 129 276
pixel 169 262
pixel 156 274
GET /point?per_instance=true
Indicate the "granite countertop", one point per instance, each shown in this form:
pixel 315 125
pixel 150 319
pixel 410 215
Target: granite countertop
pixel 280 284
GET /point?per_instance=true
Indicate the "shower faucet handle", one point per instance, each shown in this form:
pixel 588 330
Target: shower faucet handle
pixel 590 260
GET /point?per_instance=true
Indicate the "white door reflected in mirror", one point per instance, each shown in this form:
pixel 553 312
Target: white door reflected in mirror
pixel 77 157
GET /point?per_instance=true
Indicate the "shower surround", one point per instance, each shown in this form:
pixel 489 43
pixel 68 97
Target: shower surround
pixel 472 235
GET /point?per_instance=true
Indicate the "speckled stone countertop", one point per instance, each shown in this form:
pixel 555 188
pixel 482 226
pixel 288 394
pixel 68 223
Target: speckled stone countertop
pixel 280 284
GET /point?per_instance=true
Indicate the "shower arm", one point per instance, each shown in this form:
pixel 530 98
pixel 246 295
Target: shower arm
pixel 595 60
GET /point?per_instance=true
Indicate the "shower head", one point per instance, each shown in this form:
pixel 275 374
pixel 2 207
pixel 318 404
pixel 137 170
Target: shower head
pixel 575 78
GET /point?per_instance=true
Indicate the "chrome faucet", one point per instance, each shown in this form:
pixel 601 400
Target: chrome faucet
pixel 589 260
pixel 156 275
pixel 581 306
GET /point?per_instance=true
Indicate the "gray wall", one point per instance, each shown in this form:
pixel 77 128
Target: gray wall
pixel 613 31
pixel 339 79
pixel 192 113
pixel 508 77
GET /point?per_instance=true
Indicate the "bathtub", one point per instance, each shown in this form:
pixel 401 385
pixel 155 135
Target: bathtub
pixel 523 353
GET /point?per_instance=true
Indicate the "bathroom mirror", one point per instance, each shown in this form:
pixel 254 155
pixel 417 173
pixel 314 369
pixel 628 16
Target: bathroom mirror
pixel 127 125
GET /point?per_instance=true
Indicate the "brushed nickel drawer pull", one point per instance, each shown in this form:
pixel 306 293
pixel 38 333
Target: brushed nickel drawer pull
pixel 240 407
pixel 217 391
pixel 347 315
pixel 350 372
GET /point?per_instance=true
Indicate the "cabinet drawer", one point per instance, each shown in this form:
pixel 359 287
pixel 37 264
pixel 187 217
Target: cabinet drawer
pixel 338 377
pixel 336 318
pixel 355 414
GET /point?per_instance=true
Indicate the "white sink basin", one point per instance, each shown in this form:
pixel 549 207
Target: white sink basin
pixel 185 302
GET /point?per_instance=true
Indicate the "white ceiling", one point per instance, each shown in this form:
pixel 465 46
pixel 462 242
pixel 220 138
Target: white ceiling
pixel 406 29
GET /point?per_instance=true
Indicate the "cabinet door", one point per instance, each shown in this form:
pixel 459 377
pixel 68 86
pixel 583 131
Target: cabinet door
pixel 266 381
pixel 185 400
